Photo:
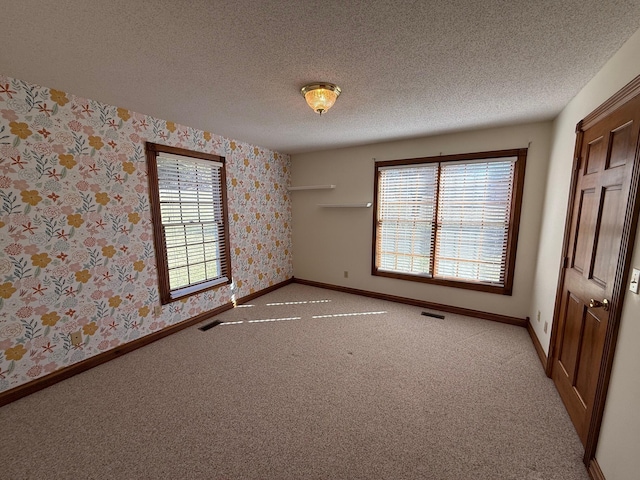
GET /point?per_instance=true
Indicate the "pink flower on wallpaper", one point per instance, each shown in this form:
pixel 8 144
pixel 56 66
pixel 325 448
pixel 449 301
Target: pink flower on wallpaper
pixel 103 345
pixel 34 371
pixel 82 185
pixel 20 185
pixel 31 249
pixel 5 182
pixel 75 125
pixel 90 242
pixel 9 115
pixel 13 249
pixel 24 312
pixel 43 148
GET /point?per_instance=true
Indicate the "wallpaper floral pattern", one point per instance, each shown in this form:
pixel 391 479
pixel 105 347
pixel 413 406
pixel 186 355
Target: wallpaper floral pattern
pixel 76 243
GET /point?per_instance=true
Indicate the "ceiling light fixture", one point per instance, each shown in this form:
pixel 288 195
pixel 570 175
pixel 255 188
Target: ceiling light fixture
pixel 320 96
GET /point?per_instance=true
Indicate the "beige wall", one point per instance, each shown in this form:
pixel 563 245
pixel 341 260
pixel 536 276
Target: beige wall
pixel 329 241
pixel 619 445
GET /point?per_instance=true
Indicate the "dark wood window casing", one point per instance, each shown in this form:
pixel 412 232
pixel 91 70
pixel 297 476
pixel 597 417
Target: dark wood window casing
pixel 450 220
pixel 188 199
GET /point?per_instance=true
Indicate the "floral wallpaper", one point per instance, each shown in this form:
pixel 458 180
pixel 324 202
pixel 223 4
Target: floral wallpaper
pixel 76 242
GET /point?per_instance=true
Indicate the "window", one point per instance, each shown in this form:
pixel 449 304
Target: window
pixel 188 208
pixel 449 220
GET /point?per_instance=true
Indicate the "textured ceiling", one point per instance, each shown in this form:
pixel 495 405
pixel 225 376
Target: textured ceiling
pixel 406 68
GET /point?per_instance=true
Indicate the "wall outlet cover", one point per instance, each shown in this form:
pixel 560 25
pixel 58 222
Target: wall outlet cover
pixel 635 280
pixel 76 338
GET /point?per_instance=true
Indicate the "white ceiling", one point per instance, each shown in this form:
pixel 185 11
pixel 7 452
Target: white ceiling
pixel 235 67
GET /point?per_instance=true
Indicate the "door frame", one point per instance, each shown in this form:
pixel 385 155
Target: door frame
pixel 625 94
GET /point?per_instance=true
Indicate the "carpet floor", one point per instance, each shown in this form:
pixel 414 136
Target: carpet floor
pixel 305 383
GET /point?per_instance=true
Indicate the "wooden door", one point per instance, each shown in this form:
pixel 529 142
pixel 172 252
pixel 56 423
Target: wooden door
pixel 606 155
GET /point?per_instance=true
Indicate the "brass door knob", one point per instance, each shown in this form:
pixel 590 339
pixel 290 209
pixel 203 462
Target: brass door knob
pixel 596 303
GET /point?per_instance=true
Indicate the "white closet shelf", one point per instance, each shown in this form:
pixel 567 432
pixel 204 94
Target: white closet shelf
pixel 312 187
pixel 345 205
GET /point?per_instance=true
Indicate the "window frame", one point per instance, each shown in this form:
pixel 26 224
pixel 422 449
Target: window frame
pixel 514 219
pixel 167 295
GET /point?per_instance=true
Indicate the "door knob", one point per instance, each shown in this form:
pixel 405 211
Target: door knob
pixel 596 303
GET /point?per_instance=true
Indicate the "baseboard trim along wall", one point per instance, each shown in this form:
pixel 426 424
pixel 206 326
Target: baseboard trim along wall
pixel 521 322
pixel 594 470
pixel 537 345
pixel 43 382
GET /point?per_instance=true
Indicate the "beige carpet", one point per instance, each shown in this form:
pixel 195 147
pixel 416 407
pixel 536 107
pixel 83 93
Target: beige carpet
pixel 381 393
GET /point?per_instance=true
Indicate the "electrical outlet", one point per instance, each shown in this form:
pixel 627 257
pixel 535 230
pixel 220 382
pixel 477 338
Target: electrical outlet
pixel 538 315
pixel 157 310
pixel 635 279
pixel 76 338
pixel 546 326
pixel 346 274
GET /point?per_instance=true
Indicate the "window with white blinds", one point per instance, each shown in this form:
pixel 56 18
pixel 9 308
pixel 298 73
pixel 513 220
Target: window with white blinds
pixel 449 220
pixel 190 221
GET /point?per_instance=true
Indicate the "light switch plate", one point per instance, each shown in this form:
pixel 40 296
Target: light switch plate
pixel 635 279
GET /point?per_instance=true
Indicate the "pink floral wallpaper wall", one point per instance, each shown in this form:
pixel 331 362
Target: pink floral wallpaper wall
pixel 76 244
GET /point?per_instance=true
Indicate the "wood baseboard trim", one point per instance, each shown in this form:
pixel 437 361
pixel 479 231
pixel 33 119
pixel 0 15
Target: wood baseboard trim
pixel 43 382
pixel 537 345
pixel 521 322
pixel 594 470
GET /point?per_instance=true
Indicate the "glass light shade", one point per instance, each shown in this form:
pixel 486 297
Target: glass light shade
pixel 320 97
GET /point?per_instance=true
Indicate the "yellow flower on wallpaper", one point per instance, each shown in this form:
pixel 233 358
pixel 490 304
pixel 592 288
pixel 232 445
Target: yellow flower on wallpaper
pixel 248 228
pixel 90 328
pixel 128 167
pixel 238 250
pixel 109 251
pixel 20 129
pixel 234 182
pixel 257 184
pixel 256 151
pixel 236 217
pixel 275 155
pixel 138 266
pixel 50 319
pixel 6 290
pixel 246 162
pixel 207 136
pixel 2 224
pixel 257 215
pixel 75 220
pixel 247 196
pixel 171 127
pixel 115 301
pixel 124 114
pixel 102 198
pixel 59 97
pixel 67 161
pixel 232 145
pixel 143 311
pixel 134 217
pixel 96 142
pixel 83 276
pixel 40 260
pixel 250 260
pixel 15 353
pixel 31 197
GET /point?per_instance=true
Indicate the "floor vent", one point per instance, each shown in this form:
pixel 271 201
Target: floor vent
pixel 209 326
pixel 434 315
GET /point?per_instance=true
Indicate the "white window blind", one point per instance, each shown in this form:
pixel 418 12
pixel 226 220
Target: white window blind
pixel 406 218
pixel 474 208
pixel 190 194
pixel 447 220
